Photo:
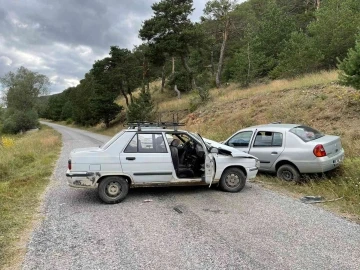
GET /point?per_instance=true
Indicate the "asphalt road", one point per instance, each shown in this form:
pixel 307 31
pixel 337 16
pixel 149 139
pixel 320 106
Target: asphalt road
pixel 253 229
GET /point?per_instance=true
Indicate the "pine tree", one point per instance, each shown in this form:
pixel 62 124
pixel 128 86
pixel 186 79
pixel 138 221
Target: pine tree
pixel 142 109
pixel 350 67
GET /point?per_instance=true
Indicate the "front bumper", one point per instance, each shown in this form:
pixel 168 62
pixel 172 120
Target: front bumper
pixel 81 179
pixel 251 172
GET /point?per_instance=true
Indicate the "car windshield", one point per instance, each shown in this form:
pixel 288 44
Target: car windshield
pixel 113 139
pixel 306 133
pixel 199 138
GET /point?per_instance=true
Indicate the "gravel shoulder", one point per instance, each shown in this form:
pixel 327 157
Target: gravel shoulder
pixel 253 229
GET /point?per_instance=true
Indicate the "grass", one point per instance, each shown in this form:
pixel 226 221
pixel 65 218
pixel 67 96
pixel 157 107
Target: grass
pixel 343 184
pixel 26 164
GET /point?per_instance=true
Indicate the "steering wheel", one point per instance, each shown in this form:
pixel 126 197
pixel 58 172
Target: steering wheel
pixel 188 147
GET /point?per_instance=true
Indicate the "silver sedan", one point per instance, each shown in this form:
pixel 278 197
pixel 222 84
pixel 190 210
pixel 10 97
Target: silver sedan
pixel 289 149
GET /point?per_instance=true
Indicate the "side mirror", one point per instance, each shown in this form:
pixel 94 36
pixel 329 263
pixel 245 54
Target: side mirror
pixel 214 150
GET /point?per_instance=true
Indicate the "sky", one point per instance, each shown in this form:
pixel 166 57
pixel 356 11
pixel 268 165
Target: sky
pixel 62 39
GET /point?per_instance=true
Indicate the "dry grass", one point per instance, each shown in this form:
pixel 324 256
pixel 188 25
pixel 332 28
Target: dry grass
pixel 25 171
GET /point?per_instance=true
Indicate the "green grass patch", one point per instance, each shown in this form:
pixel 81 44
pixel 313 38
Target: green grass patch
pixel 26 164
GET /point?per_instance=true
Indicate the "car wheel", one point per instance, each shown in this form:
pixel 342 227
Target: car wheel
pixel 232 180
pixel 288 173
pixel 113 189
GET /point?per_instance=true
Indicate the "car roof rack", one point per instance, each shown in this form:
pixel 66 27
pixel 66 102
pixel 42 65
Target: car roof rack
pixel 161 125
pixel 277 122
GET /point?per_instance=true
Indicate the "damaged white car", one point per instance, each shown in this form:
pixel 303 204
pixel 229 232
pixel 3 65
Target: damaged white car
pixel 156 155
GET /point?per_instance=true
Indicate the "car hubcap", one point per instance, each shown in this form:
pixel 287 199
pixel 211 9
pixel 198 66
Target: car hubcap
pixel 232 180
pixel 113 189
pixel 287 176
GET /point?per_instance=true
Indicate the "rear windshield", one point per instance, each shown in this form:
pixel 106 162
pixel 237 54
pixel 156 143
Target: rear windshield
pixel 113 139
pixel 306 133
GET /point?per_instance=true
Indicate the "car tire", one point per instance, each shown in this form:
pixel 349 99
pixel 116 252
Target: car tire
pixel 113 189
pixel 288 173
pixel 232 180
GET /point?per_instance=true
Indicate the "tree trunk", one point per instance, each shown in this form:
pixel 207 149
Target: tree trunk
pixel 173 65
pixel 318 4
pixel 144 73
pixel 189 71
pixel 130 94
pixel 162 79
pixel 212 63
pixel 249 66
pixel 124 94
pixel 177 92
pixel 107 122
pixel 222 53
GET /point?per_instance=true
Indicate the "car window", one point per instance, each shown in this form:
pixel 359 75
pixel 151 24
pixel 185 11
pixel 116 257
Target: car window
pixel 268 139
pixel 241 139
pixel 132 146
pixel 146 143
pixel 306 133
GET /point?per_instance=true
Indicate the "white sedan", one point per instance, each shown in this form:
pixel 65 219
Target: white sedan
pixel 143 156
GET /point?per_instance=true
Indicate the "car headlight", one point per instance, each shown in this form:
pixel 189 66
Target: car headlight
pixel 257 164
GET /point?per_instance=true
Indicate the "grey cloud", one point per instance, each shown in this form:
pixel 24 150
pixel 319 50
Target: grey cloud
pixel 62 39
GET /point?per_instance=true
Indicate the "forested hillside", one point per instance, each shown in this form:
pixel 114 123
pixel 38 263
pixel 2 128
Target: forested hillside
pixel 244 43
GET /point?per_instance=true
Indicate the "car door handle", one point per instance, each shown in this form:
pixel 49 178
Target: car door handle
pixel 274 153
pixel 130 158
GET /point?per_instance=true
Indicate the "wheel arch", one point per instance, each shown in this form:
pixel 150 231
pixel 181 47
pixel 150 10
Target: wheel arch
pixel 283 162
pixel 235 167
pixel 127 178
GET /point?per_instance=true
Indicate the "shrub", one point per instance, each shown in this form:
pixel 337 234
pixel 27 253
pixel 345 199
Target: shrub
pixel 16 121
pixel 141 109
pixel 350 67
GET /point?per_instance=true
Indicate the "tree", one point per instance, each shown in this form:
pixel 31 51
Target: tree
pixel 350 67
pixel 23 88
pixel 106 90
pixel 142 109
pixel 300 55
pixel 171 30
pixel 21 95
pixel 334 30
pixel 220 10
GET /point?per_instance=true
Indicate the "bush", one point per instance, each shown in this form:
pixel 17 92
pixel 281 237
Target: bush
pixel 16 121
pixel 141 109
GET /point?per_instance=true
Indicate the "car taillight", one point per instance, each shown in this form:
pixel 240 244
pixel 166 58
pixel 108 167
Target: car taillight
pixel 69 164
pixel 319 151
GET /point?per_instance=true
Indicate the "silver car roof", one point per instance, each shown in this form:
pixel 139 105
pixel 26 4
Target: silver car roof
pixel 275 126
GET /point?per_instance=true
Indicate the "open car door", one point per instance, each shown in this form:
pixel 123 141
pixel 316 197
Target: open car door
pixel 209 163
pixel 209 168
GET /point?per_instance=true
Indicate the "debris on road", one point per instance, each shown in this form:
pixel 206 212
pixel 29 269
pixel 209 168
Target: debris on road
pixel 317 199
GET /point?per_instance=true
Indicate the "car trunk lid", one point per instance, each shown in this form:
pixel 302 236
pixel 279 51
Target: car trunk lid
pixel 331 144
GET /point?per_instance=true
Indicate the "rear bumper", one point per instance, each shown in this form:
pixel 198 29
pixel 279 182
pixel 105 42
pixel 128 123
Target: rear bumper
pixel 323 164
pixel 81 179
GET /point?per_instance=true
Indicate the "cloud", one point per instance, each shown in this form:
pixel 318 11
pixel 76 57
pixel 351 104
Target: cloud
pixel 62 39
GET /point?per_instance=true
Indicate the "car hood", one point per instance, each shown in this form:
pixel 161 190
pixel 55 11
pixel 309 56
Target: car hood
pixel 228 149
